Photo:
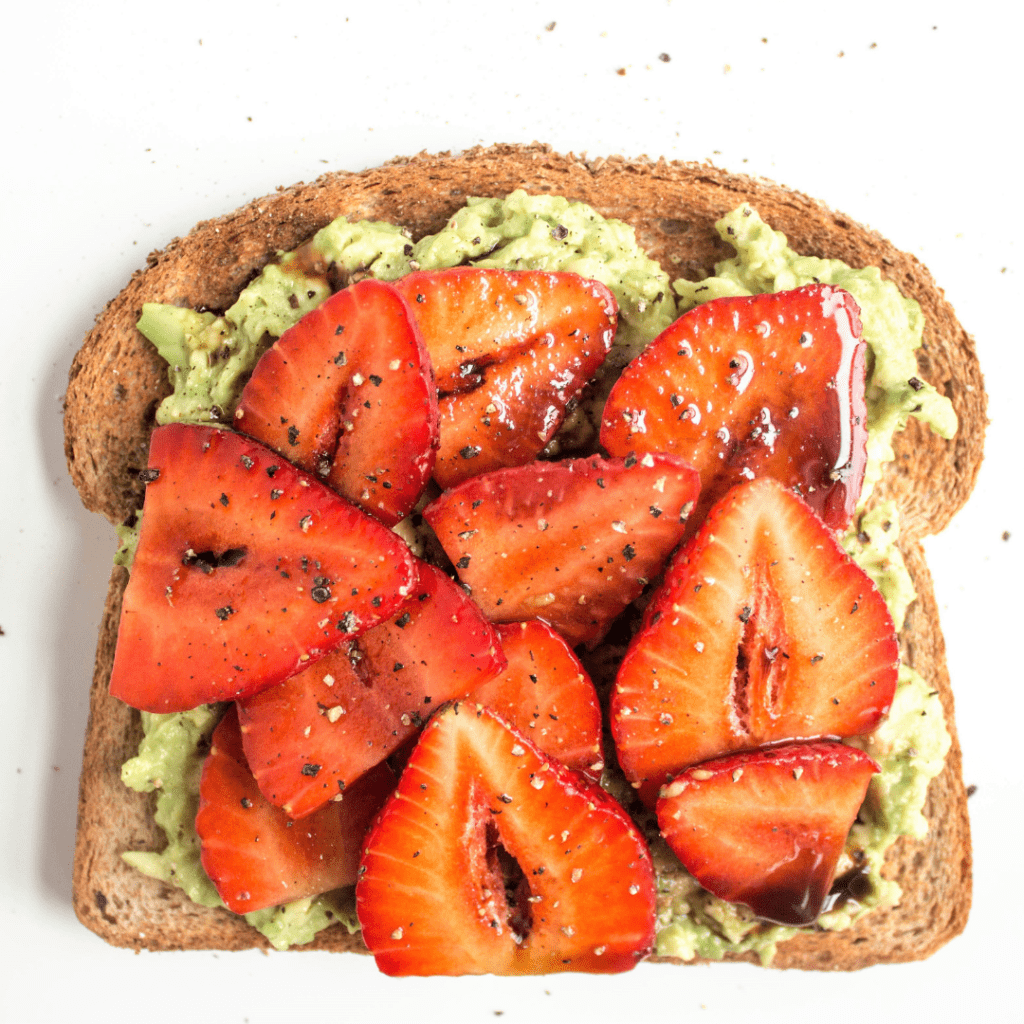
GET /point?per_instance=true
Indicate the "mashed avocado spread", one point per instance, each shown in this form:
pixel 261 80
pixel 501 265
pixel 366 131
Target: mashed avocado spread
pixel 211 357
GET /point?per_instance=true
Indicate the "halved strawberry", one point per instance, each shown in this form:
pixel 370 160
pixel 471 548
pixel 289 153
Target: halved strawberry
pixel 765 385
pixel 547 695
pixel 767 828
pixel 763 631
pixel 309 738
pixel 347 394
pixel 256 856
pixel 510 350
pixel 574 542
pixel 247 571
pixel 578 890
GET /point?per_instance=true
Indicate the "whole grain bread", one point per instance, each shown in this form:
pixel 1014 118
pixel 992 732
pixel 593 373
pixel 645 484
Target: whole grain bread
pixel 117 381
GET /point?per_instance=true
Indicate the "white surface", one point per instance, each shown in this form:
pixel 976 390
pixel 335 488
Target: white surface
pixel 127 123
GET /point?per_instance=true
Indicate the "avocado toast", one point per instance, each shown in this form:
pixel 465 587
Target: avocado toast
pixel 109 420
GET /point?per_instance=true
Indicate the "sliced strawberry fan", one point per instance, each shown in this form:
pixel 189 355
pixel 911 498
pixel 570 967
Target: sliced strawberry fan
pixel 347 394
pixel 546 694
pixel 751 386
pixel 255 582
pixel 254 854
pixel 767 828
pixel 572 542
pixel 511 350
pixel 577 889
pixel 246 572
pixel 310 738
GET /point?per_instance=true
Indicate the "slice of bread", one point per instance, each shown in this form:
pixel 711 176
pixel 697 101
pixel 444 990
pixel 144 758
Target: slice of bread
pixel 117 380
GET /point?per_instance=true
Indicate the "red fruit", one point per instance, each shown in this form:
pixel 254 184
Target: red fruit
pixel 432 895
pixel 547 695
pixel 574 542
pixel 765 385
pixel 247 571
pixel 763 631
pixel 347 394
pixel 767 828
pixel 312 736
pixel 510 350
pixel 256 856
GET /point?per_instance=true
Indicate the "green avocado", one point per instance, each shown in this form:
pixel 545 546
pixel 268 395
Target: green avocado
pixel 210 358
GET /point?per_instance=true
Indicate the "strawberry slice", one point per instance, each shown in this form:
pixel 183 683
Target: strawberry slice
pixel 765 385
pixel 767 828
pixel 763 631
pixel 327 395
pixel 247 571
pixel 253 854
pixel 510 350
pixel 547 695
pixel 574 541
pixel 312 736
pixel 577 890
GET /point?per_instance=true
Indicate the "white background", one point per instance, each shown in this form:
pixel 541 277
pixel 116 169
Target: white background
pixel 124 124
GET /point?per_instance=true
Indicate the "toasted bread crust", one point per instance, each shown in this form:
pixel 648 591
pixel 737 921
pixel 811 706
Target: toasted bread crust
pixel 117 380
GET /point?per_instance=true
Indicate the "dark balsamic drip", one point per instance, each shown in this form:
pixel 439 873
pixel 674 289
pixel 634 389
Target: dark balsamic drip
pixel 851 887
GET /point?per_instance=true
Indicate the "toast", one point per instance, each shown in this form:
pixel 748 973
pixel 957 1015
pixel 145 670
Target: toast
pixel 117 381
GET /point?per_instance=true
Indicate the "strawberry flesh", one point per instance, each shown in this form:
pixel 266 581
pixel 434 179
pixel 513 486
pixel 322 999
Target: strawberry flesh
pixel 255 856
pixel 432 896
pixel 573 542
pixel 347 394
pixel 510 350
pixel 311 737
pixel 246 572
pixel 547 695
pixel 766 828
pixel 763 385
pixel 763 631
